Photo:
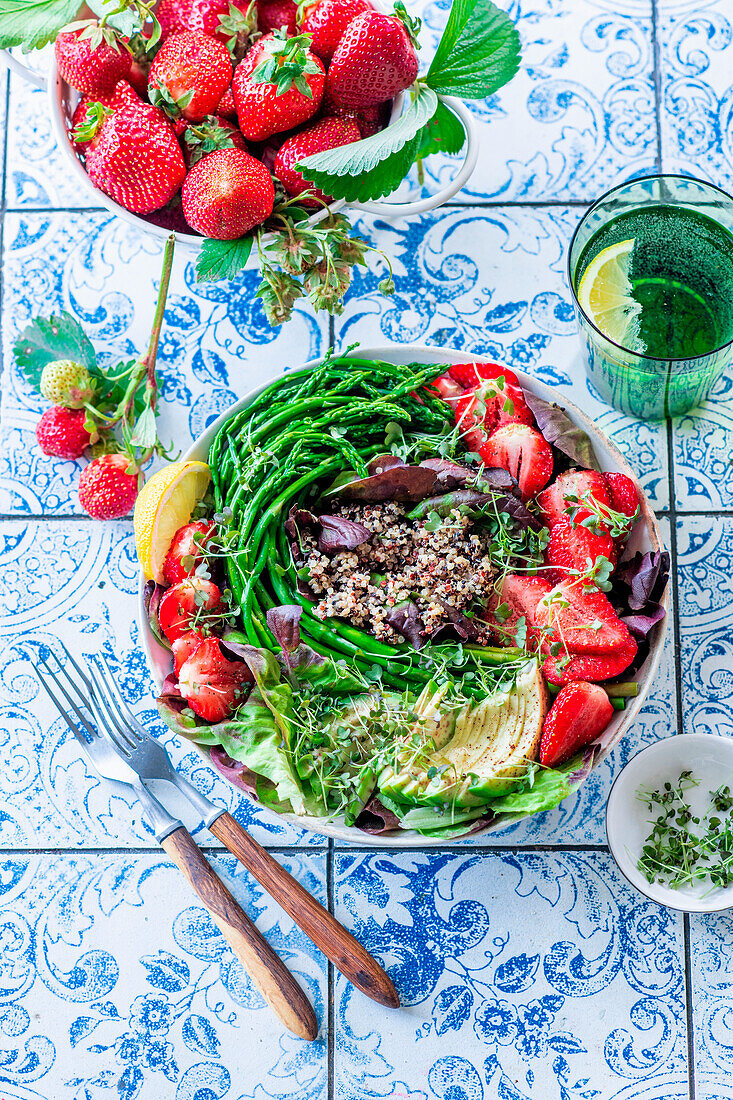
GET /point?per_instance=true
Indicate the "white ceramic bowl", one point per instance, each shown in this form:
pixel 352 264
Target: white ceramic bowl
pixel 710 759
pixel 63 100
pixel 644 537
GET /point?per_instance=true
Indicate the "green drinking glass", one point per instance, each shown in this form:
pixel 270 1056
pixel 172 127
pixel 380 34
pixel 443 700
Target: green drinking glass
pixel 656 309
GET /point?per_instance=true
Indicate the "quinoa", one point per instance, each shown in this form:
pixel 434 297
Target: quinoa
pixel 402 560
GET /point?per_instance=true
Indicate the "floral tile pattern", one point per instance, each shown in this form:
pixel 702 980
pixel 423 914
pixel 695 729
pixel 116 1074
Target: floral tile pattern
pixel 170 1015
pixel 528 968
pixel 491 1009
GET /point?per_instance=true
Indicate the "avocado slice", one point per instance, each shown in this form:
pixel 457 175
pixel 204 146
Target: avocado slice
pixel 480 752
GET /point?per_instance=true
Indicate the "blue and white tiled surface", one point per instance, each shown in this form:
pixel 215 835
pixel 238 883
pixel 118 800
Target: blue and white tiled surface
pixel 528 968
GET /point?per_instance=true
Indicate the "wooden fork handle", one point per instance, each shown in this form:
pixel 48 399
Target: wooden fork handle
pixel 266 969
pixel 338 945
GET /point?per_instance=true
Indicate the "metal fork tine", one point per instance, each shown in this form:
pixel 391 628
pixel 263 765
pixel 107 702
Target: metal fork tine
pixel 136 730
pixel 87 725
pixel 106 704
pixel 109 731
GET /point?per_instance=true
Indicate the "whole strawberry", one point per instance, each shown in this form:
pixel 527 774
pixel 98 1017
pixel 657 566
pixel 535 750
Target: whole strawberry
pixel 326 22
pixel 91 58
pixel 60 432
pixel 327 133
pixel 226 108
pixel 64 382
pixel 278 85
pixel 136 159
pixel 106 489
pixel 190 74
pixel 275 15
pixel 374 60
pixel 226 194
pixel 88 115
pixel 201 138
pixel 172 16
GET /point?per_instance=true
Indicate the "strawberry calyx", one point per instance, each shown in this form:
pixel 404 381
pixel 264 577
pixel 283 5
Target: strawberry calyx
pixel 96 32
pixel 240 27
pixel 94 116
pixel 303 9
pixel 206 137
pixel 287 63
pixel 169 104
pixel 411 23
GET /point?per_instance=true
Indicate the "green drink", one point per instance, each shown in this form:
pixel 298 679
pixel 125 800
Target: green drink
pixel 651 265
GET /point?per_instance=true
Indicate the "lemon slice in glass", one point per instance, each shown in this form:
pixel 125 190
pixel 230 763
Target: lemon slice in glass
pixel 605 296
pixel 164 504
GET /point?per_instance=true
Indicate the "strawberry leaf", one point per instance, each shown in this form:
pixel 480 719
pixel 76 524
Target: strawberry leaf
pixel 478 53
pixel 43 341
pixel 222 259
pixel 373 167
pixel 443 133
pixel 33 23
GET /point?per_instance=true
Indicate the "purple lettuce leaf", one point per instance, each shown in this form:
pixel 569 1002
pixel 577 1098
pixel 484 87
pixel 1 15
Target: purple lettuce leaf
pixel 380 463
pixel 445 504
pixel 405 619
pixel 392 483
pixel 284 622
pixel 450 475
pixel 152 595
pixel 464 626
pixel 233 771
pixel 299 520
pixel 375 818
pixel 645 577
pixel 339 533
pixel 559 430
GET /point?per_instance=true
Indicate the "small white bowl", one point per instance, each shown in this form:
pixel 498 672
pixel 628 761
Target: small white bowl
pixel 628 819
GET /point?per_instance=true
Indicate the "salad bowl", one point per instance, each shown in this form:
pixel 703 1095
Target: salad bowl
pixel 644 538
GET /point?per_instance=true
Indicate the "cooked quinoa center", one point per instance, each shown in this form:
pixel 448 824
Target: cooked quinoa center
pixel 402 560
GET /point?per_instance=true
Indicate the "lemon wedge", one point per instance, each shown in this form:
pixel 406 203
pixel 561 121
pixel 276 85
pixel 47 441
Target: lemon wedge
pixel 164 504
pixel 605 295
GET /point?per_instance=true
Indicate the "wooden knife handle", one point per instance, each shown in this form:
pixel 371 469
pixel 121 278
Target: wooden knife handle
pixel 338 945
pixel 266 969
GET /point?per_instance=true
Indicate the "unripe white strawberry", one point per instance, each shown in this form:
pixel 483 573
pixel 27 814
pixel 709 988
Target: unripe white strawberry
pixel 64 382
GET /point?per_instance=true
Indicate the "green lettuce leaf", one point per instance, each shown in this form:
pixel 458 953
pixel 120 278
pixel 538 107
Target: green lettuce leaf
pixel 549 788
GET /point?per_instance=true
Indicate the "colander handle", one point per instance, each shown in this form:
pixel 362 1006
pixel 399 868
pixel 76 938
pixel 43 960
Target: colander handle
pixel 24 71
pixel 419 206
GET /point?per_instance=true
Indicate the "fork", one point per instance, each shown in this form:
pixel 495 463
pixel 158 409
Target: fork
pixel 99 743
pixel 147 757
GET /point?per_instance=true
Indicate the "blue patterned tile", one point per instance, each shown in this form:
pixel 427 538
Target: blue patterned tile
pixel 711 951
pixel 116 982
pixel 703 441
pixel 216 343
pixel 522 975
pixel 493 282
pixel 705 557
pixel 77 581
pixel 696 123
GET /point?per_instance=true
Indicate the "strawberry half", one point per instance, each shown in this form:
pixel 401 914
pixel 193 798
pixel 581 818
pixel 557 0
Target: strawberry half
pixel 212 685
pixel 576 547
pixel 523 452
pixel 579 714
pixel 186 551
pixel 624 496
pixel 569 490
pixel 586 666
pixel 520 595
pixel 444 386
pixel 185 604
pixel 470 375
pixel 582 622
pixel 184 646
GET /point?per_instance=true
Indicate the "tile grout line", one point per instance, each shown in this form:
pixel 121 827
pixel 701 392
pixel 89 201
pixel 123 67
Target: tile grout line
pixel 330 1004
pixel 316 849
pixel 490 204
pixel 657 78
pixel 3 199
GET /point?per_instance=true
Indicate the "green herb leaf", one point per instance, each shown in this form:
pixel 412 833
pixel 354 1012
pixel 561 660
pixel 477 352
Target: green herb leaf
pixel 145 433
pixel 373 167
pixel 443 133
pixel 222 259
pixel 43 341
pixel 478 53
pixel 33 23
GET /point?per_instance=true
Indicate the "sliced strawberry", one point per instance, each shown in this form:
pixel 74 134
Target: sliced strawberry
pixel 446 388
pixel 624 496
pixel 523 452
pixel 521 594
pixel 470 375
pixel 212 685
pixel 184 646
pixel 185 602
pixel 559 670
pixel 186 551
pixel 469 412
pixel 569 491
pixel 583 622
pixel 579 714
pixel 576 547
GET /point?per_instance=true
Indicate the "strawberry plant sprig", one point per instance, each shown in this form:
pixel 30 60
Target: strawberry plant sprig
pixel 120 404
pixel 33 25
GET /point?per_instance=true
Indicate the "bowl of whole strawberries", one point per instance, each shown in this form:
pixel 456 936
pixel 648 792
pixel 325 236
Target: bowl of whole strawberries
pixel 247 127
